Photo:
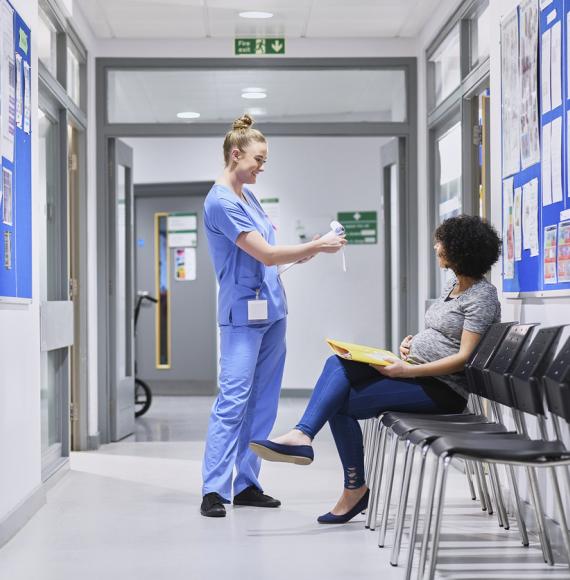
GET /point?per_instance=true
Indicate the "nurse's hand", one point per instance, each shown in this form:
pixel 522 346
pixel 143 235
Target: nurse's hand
pixel 397 369
pixel 331 243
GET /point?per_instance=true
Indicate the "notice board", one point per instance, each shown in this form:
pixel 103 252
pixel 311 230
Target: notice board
pixel 535 123
pixel 15 152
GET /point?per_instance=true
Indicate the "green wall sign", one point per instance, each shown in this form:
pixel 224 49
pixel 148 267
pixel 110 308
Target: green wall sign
pixel 259 46
pixel 361 226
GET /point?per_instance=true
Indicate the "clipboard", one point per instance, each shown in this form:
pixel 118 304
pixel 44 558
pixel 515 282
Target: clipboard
pixel 361 353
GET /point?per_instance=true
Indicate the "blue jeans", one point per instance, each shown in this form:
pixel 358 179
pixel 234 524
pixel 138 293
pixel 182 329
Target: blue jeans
pixel 347 391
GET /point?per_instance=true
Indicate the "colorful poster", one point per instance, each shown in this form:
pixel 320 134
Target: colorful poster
pixel 530 144
pixel 510 94
pixel 549 254
pixel 508 230
pixel 564 252
pixel 185 264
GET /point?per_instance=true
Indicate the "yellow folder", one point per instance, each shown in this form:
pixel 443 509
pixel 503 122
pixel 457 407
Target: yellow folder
pixel 361 353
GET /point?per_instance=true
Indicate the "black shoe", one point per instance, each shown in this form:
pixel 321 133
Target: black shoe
pixel 253 496
pixel 213 506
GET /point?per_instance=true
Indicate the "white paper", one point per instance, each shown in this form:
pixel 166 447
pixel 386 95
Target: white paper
pixel 27 98
pixel 545 72
pixel 508 230
pixel 510 94
pixel 556 163
pixel 530 217
pixel 556 65
pixel 182 222
pixel 8 206
pixel 545 3
pixel 549 260
pixel 568 144
pixel 182 239
pixel 546 167
pixel 529 131
pixel 19 92
pixel 518 223
pixel 8 72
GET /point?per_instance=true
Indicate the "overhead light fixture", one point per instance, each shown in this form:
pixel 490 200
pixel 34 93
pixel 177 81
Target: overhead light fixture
pixel 188 115
pixel 254 90
pixel 256 14
pixel 254 95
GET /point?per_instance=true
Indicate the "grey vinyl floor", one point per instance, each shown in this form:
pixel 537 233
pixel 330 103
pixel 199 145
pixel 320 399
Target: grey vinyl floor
pixel 130 511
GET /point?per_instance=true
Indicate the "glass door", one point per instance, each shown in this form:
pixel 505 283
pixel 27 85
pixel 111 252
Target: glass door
pixel 121 230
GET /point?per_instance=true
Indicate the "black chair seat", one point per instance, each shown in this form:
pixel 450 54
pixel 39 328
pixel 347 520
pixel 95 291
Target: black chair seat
pixel 505 448
pixel 431 432
pixel 393 417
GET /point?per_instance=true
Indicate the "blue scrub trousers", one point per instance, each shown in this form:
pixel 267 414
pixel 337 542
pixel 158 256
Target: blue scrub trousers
pixel 252 359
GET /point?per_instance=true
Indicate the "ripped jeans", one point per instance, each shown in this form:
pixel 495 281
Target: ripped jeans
pixel 347 391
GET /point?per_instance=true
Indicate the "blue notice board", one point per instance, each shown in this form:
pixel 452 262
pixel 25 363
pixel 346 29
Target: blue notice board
pixel 16 178
pixel 535 194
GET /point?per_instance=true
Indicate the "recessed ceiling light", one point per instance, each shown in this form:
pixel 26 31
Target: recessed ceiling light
pixel 254 95
pixel 255 14
pixel 188 115
pixel 254 90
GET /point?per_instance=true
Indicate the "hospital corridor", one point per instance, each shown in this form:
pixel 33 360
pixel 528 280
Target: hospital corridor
pixel 285 289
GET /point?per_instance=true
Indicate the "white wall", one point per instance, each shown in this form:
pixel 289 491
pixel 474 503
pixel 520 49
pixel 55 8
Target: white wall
pixel 20 443
pixel 314 178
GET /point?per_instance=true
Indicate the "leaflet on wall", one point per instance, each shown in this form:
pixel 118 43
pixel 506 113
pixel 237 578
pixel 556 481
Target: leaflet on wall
pixel 508 230
pixel 546 165
pixel 27 98
pixel 8 71
pixel 530 217
pixel 7 208
pixel 517 223
pixel 556 159
pixel 564 252
pixel 545 72
pixel 550 275
pixel 19 92
pixel 556 65
pixel 8 250
pixel 185 264
pixel 510 94
pixel 529 127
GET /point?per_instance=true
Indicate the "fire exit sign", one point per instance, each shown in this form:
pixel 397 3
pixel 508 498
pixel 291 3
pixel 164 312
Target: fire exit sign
pixel 259 46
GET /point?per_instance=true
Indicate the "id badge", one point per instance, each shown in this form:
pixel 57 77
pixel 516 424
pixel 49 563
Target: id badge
pixel 257 309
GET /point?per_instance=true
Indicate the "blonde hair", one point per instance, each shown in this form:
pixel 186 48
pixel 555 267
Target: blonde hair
pixel 241 135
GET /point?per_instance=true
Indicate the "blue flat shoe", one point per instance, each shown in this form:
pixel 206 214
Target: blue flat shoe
pixel 329 518
pixel 299 454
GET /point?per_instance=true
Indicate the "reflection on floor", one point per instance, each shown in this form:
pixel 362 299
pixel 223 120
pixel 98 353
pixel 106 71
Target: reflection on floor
pixel 130 511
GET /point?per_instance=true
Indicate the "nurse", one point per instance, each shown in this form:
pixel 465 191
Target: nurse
pixel 252 312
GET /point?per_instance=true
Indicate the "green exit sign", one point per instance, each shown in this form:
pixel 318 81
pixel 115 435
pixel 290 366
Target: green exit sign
pixel 259 46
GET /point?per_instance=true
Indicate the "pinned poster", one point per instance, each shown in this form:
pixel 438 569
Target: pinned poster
pixel 546 166
pixel 530 142
pixel 185 264
pixel 27 98
pixel 550 274
pixel 545 72
pixel 518 223
pixel 556 159
pixel 19 92
pixel 7 211
pixel 508 230
pixel 564 252
pixel 530 217
pixel 556 65
pixel 8 80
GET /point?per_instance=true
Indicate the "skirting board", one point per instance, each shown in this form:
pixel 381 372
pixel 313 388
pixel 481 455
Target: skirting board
pixel 205 388
pixel 21 515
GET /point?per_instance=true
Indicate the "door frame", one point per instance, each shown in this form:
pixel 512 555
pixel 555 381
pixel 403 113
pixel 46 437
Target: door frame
pixel 107 131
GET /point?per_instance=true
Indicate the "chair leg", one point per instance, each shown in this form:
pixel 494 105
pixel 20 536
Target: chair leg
pixel 477 472
pixel 388 493
pixel 496 486
pixel 470 480
pixel 561 514
pixel 406 480
pixel 378 466
pixel 539 512
pixel 416 514
pixel 441 481
pixel 427 521
pixel 369 428
pixel 484 489
pixel 517 504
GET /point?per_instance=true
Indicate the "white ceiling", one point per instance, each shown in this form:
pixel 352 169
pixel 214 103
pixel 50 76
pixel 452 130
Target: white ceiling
pixel 185 19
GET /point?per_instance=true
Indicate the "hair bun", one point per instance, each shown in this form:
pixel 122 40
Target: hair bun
pixel 244 122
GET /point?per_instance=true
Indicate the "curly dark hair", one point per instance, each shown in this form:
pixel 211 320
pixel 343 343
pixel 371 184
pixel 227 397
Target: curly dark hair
pixel 470 245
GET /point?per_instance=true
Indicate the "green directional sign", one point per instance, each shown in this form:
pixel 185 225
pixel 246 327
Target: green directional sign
pixel 259 46
pixel 361 226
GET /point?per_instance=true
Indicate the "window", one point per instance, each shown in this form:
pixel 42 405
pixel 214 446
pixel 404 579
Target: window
pixel 73 75
pixel 47 43
pixel 479 27
pixel 444 67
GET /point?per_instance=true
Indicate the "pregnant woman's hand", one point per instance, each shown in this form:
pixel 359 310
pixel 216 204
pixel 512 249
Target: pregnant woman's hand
pixel 397 369
pixel 405 347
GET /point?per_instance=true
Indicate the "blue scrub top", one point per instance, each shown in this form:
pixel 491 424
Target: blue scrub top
pixel 239 275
